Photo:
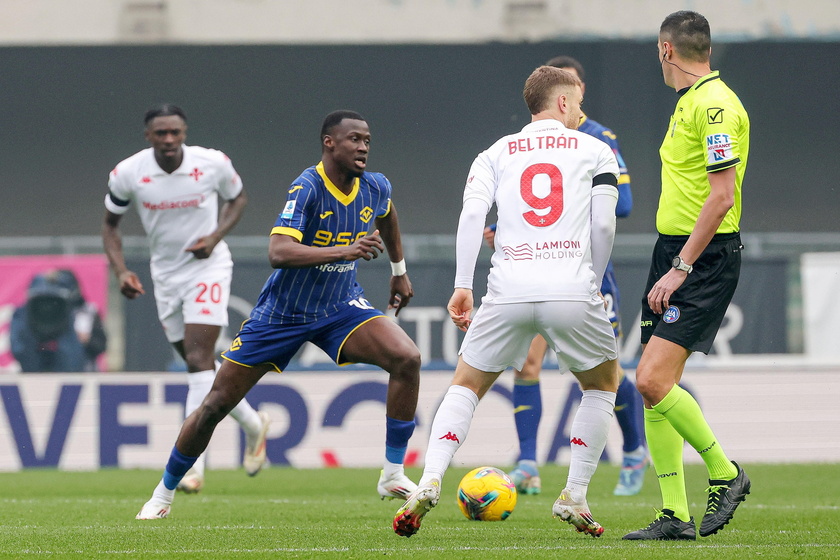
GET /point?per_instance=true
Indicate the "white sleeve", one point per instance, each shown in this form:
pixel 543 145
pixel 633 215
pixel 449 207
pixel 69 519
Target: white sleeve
pixel 469 239
pixel 119 195
pixel 481 182
pixel 230 184
pixel 607 163
pixel 604 199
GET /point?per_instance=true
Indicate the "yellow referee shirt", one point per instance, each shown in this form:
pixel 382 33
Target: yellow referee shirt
pixel 709 131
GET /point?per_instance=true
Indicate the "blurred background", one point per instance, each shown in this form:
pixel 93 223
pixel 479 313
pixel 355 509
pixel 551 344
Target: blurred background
pixel 438 81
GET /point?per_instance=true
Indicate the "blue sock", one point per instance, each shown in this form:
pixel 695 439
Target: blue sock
pixel 527 411
pixel 628 412
pixel 176 468
pixel 397 434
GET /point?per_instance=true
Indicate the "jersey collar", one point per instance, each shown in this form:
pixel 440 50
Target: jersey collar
pixel 711 76
pixel 583 119
pixel 345 199
pixel 185 168
pixel 543 124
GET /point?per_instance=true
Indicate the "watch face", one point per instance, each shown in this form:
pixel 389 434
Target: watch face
pixel 676 262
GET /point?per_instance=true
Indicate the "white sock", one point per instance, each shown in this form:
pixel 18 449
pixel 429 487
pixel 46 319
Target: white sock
pixel 589 437
pixel 449 430
pixel 390 469
pixel 199 465
pixel 163 494
pixel 245 415
pixel 200 384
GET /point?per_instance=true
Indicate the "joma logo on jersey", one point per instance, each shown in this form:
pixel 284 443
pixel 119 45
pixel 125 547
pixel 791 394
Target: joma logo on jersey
pixel 324 238
pixel 366 214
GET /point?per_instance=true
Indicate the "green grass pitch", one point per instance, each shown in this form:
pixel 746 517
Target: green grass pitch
pixel 792 512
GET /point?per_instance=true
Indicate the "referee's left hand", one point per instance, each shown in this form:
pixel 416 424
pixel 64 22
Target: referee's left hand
pixel 660 295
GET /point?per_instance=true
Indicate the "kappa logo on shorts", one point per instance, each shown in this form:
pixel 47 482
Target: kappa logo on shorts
pixel 671 315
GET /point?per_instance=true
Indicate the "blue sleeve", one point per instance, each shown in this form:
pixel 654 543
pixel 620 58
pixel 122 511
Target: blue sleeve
pixel 295 212
pixel 625 201
pixel 385 189
pixel 625 195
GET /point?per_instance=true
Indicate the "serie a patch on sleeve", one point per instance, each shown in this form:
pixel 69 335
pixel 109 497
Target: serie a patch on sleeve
pixel 289 210
pixel 718 148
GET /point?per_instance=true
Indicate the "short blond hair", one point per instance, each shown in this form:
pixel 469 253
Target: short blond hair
pixel 541 85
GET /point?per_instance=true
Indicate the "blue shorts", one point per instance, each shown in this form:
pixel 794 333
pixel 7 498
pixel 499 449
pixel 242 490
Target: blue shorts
pixel 265 343
pixel 609 289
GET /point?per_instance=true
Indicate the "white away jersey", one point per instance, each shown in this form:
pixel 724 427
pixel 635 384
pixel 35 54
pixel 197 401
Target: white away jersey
pixel 541 182
pixel 176 209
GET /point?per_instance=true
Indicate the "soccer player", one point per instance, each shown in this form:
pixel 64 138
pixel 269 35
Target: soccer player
pixel 693 274
pixel 555 194
pixel 176 188
pixel 527 398
pixel 336 213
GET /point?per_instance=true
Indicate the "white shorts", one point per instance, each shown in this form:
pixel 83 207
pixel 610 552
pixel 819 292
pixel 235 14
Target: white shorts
pixel 196 295
pixel 579 332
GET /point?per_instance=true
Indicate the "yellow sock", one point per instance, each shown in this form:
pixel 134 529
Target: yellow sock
pixel 666 453
pixel 684 414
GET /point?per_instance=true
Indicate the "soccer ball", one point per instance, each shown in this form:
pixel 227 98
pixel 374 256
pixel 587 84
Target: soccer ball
pixel 486 494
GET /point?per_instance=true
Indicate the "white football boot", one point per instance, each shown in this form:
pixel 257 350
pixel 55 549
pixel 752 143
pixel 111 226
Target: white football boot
pixel 254 458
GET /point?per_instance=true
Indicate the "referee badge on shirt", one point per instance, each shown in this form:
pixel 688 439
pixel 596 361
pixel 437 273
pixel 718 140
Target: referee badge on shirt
pixel 671 314
pixel 715 115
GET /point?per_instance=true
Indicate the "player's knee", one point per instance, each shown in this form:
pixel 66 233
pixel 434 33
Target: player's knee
pixel 411 360
pixel 646 385
pixel 215 407
pixel 406 363
pixel 530 371
pixel 198 359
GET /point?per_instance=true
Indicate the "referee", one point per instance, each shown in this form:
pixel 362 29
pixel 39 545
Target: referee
pixel 694 271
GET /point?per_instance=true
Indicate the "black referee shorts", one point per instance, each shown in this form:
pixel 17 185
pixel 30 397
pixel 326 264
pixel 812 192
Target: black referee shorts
pixel 697 308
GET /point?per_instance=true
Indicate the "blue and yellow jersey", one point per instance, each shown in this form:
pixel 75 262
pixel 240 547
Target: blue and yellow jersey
pixel 318 214
pixel 604 134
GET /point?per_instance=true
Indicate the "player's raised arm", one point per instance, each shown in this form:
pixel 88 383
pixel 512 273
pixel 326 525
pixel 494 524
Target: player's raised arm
pixel 286 251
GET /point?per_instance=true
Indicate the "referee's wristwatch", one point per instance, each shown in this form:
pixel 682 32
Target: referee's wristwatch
pixel 680 264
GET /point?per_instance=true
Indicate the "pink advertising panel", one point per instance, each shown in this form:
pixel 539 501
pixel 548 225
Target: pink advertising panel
pixel 16 274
